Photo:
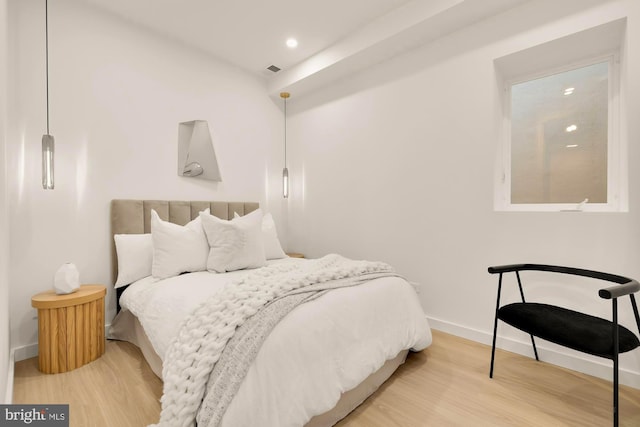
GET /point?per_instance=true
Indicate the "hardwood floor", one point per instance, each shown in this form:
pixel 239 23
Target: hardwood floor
pixel 445 385
pixel 118 389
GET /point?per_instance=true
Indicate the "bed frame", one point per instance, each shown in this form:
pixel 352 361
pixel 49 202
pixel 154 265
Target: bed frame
pixel 134 217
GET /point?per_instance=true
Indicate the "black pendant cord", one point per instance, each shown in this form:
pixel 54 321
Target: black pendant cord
pixel 46 35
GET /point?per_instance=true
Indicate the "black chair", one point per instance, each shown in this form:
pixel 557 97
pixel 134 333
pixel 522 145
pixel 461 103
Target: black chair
pixel 569 328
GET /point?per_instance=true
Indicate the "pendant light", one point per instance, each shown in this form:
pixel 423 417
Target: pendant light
pixel 285 171
pixel 48 142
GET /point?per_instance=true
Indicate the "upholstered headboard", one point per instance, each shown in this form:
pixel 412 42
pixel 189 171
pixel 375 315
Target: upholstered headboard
pixel 134 216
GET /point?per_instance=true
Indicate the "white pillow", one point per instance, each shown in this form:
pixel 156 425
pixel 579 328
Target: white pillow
pixel 176 248
pixel 272 247
pixel 135 256
pixel 234 244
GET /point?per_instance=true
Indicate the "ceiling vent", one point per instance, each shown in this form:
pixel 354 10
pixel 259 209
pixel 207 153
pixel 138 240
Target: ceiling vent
pixel 273 68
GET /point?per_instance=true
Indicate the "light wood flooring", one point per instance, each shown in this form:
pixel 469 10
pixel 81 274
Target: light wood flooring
pixel 445 385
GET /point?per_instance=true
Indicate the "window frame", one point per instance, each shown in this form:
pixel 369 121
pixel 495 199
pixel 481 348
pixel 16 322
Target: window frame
pixel 616 188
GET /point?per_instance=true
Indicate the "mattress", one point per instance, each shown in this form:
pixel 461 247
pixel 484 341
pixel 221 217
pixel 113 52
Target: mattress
pixel 327 353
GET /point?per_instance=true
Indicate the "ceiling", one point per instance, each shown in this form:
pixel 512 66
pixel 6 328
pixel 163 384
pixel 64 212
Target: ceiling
pixel 336 37
pixel 251 34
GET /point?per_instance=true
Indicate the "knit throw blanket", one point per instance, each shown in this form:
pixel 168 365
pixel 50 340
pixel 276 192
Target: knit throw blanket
pixel 204 334
pixel 238 355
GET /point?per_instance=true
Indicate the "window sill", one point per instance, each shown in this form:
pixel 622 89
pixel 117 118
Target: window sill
pixel 561 207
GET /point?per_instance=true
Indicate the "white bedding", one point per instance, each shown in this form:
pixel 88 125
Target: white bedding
pixel 318 351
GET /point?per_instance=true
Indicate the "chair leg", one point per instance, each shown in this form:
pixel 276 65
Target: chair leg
pixel 535 350
pixel 615 362
pixel 495 327
pixel 493 347
pixel 616 414
pixel 533 342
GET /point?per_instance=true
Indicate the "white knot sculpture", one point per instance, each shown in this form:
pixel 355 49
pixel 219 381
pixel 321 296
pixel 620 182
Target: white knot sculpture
pixel 66 279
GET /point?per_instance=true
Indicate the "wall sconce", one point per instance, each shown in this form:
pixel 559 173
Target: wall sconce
pixel 196 156
pixel 285 171
pixel 48 141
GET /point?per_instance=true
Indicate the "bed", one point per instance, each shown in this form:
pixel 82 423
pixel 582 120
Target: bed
pixel 320 359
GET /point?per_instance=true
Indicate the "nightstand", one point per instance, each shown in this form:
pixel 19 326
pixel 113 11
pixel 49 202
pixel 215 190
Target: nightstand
pixel 70 328
pixel 295 255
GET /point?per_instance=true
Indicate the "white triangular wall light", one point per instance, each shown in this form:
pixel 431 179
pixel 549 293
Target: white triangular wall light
pixel 196 155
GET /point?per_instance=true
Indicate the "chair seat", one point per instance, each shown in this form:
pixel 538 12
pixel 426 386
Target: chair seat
pixel 579 331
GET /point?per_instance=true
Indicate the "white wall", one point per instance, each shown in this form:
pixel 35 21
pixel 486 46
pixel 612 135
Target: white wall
pixel 117 94
pixel 4 229
pixel 397 164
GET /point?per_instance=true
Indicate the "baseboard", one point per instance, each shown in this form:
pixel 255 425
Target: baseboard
pixel 594 367
pixel 25 352
pixel 31 350
pixel 8 396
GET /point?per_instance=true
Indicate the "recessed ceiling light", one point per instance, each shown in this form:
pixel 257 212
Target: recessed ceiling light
pixel 572 145
pixel 569 90
pixel 571 128
pixel 292 43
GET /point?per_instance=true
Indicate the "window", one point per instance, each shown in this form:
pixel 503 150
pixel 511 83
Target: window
pixel 561 146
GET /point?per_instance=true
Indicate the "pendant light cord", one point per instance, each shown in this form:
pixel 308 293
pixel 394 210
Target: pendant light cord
pixel 285 132
pixel 46 32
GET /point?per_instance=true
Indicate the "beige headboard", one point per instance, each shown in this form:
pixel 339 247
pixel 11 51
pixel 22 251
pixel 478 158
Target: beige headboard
pixel 134 216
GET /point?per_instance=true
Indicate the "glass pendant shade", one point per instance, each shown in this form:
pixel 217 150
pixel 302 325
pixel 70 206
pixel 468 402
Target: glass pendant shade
pixel 285 171
pixel 48 148
pixel 285 183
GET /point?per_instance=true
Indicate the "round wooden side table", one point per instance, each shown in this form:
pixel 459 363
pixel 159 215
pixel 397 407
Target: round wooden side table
pixel 70 328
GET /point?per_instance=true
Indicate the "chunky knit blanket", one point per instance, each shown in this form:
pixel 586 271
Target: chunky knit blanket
pixel 238 355
pixel 192 356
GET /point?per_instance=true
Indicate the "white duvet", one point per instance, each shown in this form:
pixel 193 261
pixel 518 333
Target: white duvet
pixel 318 351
